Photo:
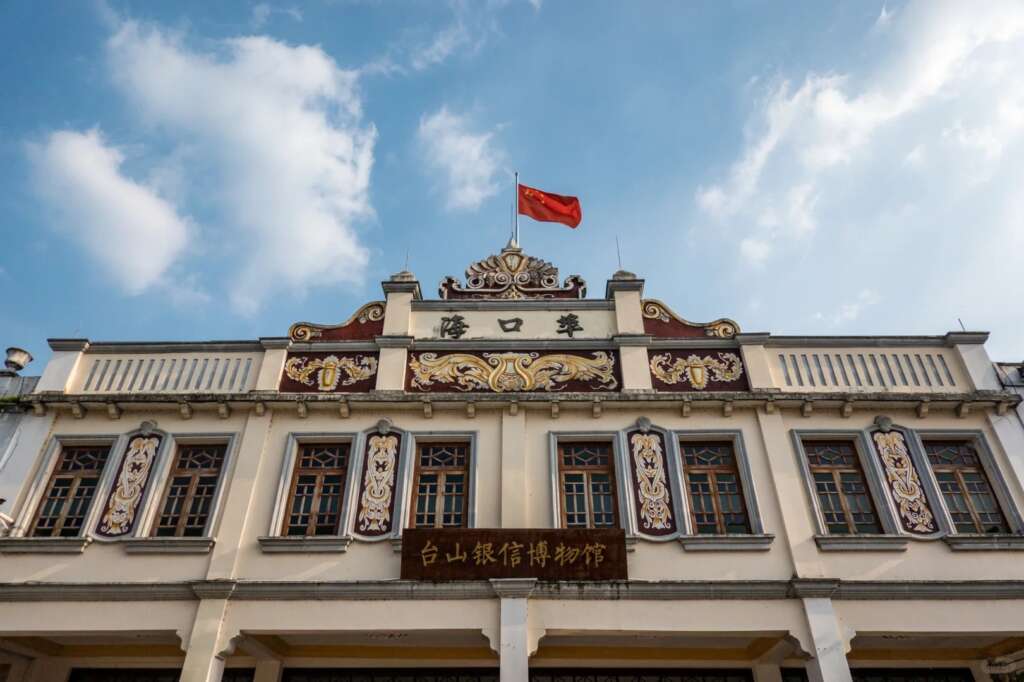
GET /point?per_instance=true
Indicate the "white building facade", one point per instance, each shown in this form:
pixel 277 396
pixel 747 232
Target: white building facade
pixel 513 481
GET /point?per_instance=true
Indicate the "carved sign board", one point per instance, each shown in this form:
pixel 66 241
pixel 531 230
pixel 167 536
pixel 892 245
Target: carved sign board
pixel 481 554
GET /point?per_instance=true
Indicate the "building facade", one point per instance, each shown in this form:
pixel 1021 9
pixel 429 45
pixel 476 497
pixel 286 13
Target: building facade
pixel 514 481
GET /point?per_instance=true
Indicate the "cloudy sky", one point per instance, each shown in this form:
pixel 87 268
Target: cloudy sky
pixel 199 170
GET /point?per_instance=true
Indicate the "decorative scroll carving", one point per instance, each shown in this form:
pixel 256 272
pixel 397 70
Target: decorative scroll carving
pixel 508 372
pixel 698 369
pixel 119 517
pixel 326 372
pixel 661 321
pixel 377 500
pixel 654 503
pixel 904 484
pixel 366 323
pixel 512 275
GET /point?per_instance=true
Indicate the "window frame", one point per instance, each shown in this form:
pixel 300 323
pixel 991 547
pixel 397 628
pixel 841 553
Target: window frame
pixel 158 494
pixel 870 467
pixel 746 479
pixel 410 474
pixel 285 480
pixel 45 467
pixel 989 465
pixel 623 507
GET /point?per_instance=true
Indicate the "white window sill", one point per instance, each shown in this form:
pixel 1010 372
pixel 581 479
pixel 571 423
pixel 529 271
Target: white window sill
pixel 305 544
pixel 984 543
pixel 31 545
pixel 168 545
pixel 861 543
pixel 726 543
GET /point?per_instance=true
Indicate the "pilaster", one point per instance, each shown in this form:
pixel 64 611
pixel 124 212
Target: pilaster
pixel 268 670
pixel 767 672
pixel 16 476
pixel 794 508
pixel 248 463
pixel 514 650
pixel 60 370
pixel 829 663
pixel 756 361
pixel 274 355
pixel 970 346
pixel 204 658
pixel 514 504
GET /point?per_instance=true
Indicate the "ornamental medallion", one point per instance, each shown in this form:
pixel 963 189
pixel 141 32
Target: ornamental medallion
pixel 698 369
pixel 119 516
pixel 904 484
pixel 326 372
pixel 513 372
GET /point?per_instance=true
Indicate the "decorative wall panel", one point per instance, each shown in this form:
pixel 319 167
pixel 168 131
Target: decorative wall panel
pixel 323 372
pixel 364 325
pixel 502 372
pixel 662 322
pixel 647 460
pixel 376 502
pixel 512 275
pixel 904 484
pixel 697 370
pixel 118 517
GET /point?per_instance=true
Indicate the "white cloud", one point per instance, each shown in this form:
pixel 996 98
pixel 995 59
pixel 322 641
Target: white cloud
pixel 282 128
pixel 899 171
pixel 261 13
pixel 128 229
pixel 848 312
pixel 468 161
pixel 442 46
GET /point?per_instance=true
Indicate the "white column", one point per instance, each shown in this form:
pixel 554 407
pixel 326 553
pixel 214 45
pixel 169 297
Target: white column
pixel 203 657
pixel 60 372
pixel 829 662
pixel 513 633
pixel 268 670
pixel 767 672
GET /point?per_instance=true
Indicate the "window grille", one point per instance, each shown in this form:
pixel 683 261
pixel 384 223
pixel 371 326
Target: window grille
pixel 964 486
pixel 192 484
pixel 713 480
pixel 843 494
pixel 587 478
pixel 317 488
pixel 70 490
pixel 442 485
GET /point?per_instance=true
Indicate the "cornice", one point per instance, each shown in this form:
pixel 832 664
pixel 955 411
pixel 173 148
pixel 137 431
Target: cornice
pixel 68 344
pixel 506 306
pixel 107 347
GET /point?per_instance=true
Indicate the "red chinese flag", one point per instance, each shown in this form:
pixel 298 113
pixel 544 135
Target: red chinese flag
pixel 548 207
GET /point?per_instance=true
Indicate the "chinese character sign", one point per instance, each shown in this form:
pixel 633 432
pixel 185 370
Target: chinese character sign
pixel 481 554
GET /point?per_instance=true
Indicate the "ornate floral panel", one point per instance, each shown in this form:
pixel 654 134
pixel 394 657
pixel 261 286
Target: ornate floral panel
pixel 903 483
pixel 325 372
pixel 697 370
pixel 518 371
pixel 375 514
pixel 118 518
pixel 364 325
pixel 512 275
pixel 660 321
pixel 649 464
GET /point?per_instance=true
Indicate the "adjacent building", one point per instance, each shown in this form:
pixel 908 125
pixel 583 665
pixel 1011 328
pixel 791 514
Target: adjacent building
pixel 514 481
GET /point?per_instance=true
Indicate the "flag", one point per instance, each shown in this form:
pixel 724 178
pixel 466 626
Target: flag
pixel 548 207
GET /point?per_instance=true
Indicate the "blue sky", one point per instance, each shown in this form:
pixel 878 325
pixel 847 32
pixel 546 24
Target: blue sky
pixel 199 170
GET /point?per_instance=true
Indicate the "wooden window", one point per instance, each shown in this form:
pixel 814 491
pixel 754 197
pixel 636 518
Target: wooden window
pixel 969 498
pixel 843 494
pixel 70 490
pixel 318 484
pixel 716 494
pixel 587 476
pixel 441 485
pixel 191 486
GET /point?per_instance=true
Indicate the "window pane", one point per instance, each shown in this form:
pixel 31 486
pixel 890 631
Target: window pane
pixel 716 496
pixel 189 495
pixel 440 486
pixel 588 484
pixel 317 490
pixel 972 504
pixel 576 455
pixel 70 491
pixel 601 499
pixel 843 494
pixel 574 487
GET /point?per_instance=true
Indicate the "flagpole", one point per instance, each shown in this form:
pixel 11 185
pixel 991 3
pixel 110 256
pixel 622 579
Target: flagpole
pixel 516 208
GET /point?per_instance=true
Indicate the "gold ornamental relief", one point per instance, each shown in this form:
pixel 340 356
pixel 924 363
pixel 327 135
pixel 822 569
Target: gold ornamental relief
pixel 378 484
pixel 649 464
pixel 513 372
pixel 722 328
pixel 307 331
pixel 327 373
pixel 119 516
pixel 696 370
pixel 904 483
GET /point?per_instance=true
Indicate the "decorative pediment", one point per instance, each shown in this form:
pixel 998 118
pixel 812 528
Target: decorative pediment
pixel 661 321
pixel 512 275
pixel 365 324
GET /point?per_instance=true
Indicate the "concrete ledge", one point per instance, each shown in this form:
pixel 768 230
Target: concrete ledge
pixel 726 543
pixel 406 590
pixel 984 543
pixel 44 545
pixel 168 545
pixel 861 543
pixel 305 545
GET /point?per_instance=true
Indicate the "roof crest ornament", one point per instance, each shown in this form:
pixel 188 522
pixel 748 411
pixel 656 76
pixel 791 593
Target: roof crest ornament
pixel 512 275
